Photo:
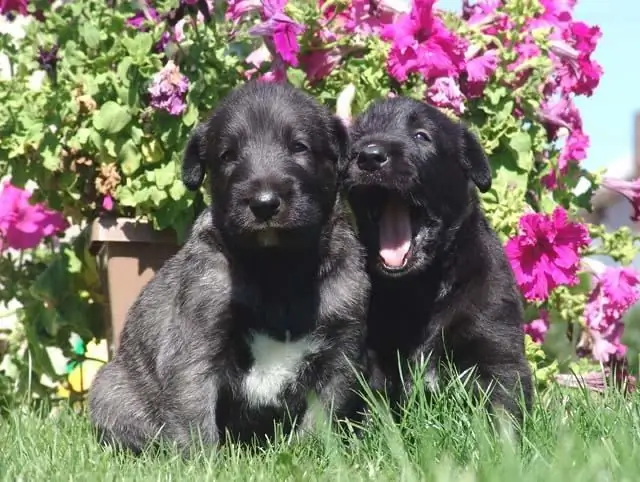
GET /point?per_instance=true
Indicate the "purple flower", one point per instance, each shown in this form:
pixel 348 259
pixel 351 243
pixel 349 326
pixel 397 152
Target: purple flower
pixel 48 61
pixel 168 89
pixel 445 92
pixel 281 29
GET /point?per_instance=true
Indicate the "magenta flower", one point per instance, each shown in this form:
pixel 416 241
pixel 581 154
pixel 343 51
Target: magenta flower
pixel 236 9
pixel 422 44
pixel 445 92
pixel 479 69
pixel 168 89
pixel 574 150
pixel 545 253
pixel 24 225
pixel 365 17
pixel 486 15
pixel 537 329
pixel 107 203
pixel 576 72
pixel 281 29
pixel 17 6
pixel 141 18
pixel 616 290
pixel 630 190
pixel 561 112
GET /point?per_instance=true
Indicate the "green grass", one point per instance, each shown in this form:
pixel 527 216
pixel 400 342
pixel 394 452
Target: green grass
pixel 571 436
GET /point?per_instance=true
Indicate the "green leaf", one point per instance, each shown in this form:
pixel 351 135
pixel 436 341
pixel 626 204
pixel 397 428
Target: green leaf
pixel 139 46
pixel 296 77
pixel 165 175
pixel 90 34
pixel 495 95
pixel 177 190
pixel 123 70
pixel 111 118
pixel 520 142
pixel 129 158
pixel 191 116
pixel 156 195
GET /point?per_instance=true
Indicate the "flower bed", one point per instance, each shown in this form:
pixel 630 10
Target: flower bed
pixel 124 83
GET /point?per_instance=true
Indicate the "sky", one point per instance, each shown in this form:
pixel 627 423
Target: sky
pixel 608 115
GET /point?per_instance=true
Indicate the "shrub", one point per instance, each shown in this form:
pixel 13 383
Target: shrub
pixel 102 96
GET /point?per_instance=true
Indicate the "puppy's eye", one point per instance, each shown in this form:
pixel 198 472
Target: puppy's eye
pixel 299 147
pixel 422 136
pixel 226 156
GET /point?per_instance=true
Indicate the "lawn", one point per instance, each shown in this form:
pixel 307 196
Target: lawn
pixel 571 436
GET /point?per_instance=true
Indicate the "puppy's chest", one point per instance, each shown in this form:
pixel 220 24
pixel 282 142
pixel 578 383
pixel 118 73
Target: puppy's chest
pixel 274 372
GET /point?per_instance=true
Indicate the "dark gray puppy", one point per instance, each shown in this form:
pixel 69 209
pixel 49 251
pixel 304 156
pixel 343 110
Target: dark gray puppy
pixel 265 305
pixel 442 288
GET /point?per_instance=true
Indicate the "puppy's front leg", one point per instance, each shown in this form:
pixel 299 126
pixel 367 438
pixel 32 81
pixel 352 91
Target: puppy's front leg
pixel 336 393
pixel 191 395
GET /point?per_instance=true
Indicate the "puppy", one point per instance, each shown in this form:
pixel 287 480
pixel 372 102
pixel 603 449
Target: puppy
pixel 442 288
pixel 264 308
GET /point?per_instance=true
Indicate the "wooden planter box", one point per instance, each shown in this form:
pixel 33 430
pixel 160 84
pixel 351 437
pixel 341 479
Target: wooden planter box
pixel 128 254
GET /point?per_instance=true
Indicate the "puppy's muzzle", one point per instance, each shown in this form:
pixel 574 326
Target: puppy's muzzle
pixel 372 157
pixel 265 205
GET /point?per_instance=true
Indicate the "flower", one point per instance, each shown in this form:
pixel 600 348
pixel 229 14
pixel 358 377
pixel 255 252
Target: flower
pixel 236 9
pixel 445 92
pixel 576 72
pixel 479 69
pixel 616 290
pixel 107 203
pixel 421 43
pixel 538 328
pixel 545 252
pixel 19 6
pixel 48 61
pixel 557 113
pixel 168 89
pixel 24 225
pixel 141 17
pixel 629 189
pixel 281 29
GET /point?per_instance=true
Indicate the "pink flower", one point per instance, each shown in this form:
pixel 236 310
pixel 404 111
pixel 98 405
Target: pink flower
pixel 236 9
pixel 479 69
pixel 576 72
pixel 18 6
pixel 168 89
pixel 574 150
pixel 545 253
pixel 281 29
pixel 107 203
pixel 367 17
pixel 538 328
pixel 422 44
pixel 616 290
pixel 445 92
pixel 24 225
pixel 561 112
pixel 630 190
pixel 486 15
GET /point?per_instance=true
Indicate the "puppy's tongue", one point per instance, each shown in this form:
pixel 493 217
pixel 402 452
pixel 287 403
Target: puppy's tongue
pixel 395 233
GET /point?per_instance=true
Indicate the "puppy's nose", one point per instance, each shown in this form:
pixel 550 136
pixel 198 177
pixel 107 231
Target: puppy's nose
pixel 372 157
pixel 265 205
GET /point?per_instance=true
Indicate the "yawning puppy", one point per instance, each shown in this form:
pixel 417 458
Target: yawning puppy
pixel 264 308
pixel 442 288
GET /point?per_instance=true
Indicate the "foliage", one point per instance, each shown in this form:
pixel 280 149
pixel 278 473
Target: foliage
pixel 122 85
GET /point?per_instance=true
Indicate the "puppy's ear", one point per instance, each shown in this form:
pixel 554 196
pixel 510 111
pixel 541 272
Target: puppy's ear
pixel 343 141
pixel 193 163
pixel 474 160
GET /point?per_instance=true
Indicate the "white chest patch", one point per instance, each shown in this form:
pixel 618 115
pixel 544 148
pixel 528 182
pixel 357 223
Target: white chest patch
pixel 276 364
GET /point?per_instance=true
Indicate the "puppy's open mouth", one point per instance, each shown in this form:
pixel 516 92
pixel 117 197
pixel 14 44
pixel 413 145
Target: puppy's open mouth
pixel 395 233
pixel 396 221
